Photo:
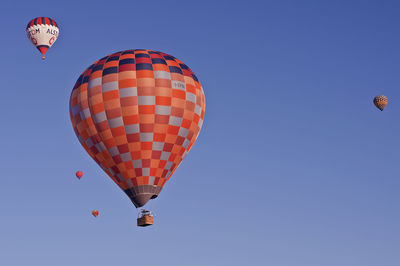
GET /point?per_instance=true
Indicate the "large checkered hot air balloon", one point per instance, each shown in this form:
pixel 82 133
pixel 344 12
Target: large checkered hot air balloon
pixel 137 113
pixel 42 32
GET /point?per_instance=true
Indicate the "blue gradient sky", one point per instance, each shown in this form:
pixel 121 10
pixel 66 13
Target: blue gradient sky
pixel 294 165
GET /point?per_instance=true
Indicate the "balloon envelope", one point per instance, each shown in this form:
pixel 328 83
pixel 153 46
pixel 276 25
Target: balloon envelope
pixel 42 32
pixel 380 102
pixel 138 113
pixel 79 174
pixel 95 213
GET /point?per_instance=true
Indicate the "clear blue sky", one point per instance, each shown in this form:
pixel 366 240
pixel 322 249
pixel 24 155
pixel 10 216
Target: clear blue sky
pixel 294 165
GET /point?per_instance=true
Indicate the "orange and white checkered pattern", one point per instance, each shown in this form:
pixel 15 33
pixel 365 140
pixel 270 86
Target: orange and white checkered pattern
pixel 137 113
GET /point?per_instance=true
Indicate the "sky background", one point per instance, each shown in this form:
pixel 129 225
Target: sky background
pixel 294 165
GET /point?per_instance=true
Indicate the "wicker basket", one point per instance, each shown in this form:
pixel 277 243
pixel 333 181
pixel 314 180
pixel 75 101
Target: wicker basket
pixel 145 220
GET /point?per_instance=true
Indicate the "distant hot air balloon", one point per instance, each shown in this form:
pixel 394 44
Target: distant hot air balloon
pixel 79 174
pixel 95 213
pixel 381 101
pixel 42 32
pixel 138 113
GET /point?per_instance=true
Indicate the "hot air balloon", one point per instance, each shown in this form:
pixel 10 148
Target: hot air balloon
pixel 42 32
pixel 95 213
pixel 380 102
pixel 79 174
pixel 138 113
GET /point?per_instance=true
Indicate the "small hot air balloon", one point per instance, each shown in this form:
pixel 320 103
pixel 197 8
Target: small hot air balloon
pixel 380 102
pixel 95 213
pixel 79 174
pixel 42 32
pixel 138 113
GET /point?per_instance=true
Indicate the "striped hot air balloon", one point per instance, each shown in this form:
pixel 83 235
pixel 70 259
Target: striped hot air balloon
pixel 380 102
pixel 138 113
pixel 42 32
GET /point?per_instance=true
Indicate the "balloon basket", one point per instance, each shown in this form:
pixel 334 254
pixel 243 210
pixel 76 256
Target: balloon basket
pixel 145 218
